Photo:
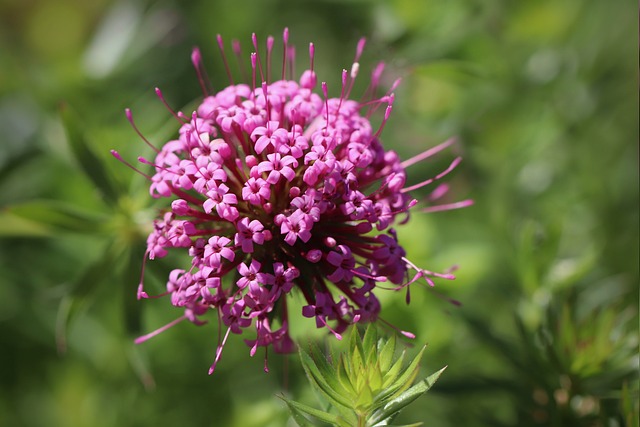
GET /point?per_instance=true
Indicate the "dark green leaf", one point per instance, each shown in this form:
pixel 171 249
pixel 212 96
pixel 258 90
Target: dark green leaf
pixel 90 164
pixel 58 216
pixel 318 380
pixel 299 408
pixel 408 396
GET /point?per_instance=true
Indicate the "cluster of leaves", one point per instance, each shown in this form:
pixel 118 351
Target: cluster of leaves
pixel 364 386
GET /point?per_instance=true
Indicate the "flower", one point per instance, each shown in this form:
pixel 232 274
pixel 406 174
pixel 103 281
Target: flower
pixel 275 189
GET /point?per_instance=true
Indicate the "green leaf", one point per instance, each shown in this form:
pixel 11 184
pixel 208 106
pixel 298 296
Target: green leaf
pixel 80 293
pixel 90 164
pixel 386 353
pixel 14 226
pixel 392 374
pixel 318 380
pixel 330 373
pixel 398 425
pixel 129 285
pixel 407 377
pixel 58 215
pixel 396 405
pixel 369 343
pixel 297 409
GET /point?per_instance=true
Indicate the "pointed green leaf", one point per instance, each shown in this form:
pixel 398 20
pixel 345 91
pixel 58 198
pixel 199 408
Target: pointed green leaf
pixel 298 409
pixel 398 425
pixel 369 342
pixel 58 216
pixel 129 285
pixel 14 226
pixel 329 372
pixel 81 291
pixel 90 164
pixel 318 381
pixel 392 374
pixel 408 396
pixel 412 370
pixel 386 353
pixel 355 344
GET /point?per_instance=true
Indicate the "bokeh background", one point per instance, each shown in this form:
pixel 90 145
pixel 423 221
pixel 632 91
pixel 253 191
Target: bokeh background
pixel 544 99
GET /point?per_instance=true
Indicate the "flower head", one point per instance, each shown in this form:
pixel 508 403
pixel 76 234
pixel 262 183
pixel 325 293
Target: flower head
pixel 278 188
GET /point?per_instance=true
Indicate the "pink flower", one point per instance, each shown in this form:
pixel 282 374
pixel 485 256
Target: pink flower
pixel 278 188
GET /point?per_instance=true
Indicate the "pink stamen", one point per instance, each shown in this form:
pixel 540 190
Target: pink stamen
pixel 387 113
pixel 325 92
pixel 219 352
pixel 177 116
pixel 150 163
pixel 337 335
pixel 270 42
pixel 254 61
pixel 117 155
pixel 449 206
pixel 196 59
pixel 237 50
pixel 367 276
pixel 254 40
pixel 441 175
pixel 395 328
pixel 360 48
pixel 312 54
pixel 291 52
pixel 224 57
pixel 150 335
pixel 285 42
pixel 127 112
pixel 266 100
pixel 428 153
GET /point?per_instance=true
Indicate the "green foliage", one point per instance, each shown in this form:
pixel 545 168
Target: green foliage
pixel 543 98
pixel 364 386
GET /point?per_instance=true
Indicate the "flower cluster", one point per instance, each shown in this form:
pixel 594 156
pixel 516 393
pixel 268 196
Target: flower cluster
pixel 277 187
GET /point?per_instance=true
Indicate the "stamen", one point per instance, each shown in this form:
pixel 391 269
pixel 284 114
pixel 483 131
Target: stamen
pixel 150 163
pixel 117 155
pixel 266 360
pixel 312 54
pixel 254 40
pixel 428 153
pixel 387 113
pixel 360 49
pixel 285 42
pixel 440 191
pixel 367 276
pixel 395 328
pixel 449 206
pixel 127 112
pixel 219 352
pixel 355 67
pixel 441 175
pixel 150 335
pixel 266 100
pixel 177 116
pixel 291 52
pixel 237 50
pixel 337 335
pixel 196 59
pixel 325 92
pixel 269 49
pixel 344 82
pixel 224 57
pixel 254 60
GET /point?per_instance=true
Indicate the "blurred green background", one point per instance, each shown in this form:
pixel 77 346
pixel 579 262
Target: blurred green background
pixel 544 98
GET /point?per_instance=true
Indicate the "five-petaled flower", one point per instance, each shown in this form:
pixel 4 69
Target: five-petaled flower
pixel 276 189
